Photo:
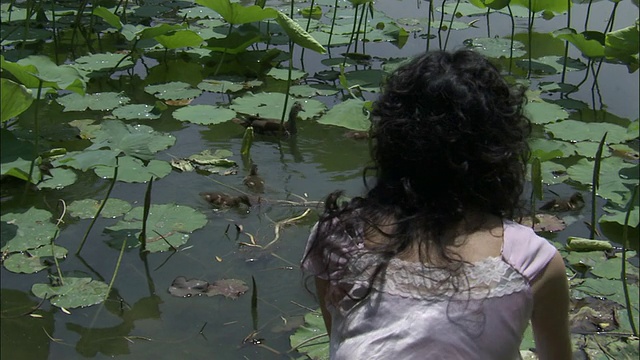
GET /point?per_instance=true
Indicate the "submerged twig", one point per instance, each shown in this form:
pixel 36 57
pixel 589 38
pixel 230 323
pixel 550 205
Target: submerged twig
pixel 284 222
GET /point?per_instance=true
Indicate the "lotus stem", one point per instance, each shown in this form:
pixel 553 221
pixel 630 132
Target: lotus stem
pixel 145 216
pixel 104 202
pixel 595 184
pixel 254 304
pixel 115 271
pixel 362 15
pixel 586 19
pixel 488 22
pixel 440 26
pixel 36 141
pixel 513 34
pixel 333 23
pixel 446 41
pixel 429 17
pixel 353 31
pixel 623 273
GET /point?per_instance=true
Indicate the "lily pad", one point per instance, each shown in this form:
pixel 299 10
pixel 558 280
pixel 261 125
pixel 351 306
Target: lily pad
pixel 612 185
pixel 308 338
pixel 612 268
pixel 88 159
pixel 496 47
pixel 136 112
pixel 167 224
pixel 140 141
pixel 350 114
pixel 99 101
pixel 221 86
pixel 60 179
pixel 544 112
pixel 269 105
pixel 204 114
pixel 173 90
pixel 23 263
pixel 133 170
pixel 229 288
pixel 103 62
pixel 572 130
pixel 313 90
pixel 368 80
pixel 87 208
pixel 283 74
pixel 28 230
pixel 76 292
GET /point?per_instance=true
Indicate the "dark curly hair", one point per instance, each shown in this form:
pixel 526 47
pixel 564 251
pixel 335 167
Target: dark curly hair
pixel 448 139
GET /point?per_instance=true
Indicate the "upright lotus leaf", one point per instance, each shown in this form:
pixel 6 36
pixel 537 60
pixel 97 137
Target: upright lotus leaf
pixel 158 30
pixel 623 45
pixel 589 47
pixel 105 101
pixel 111 18
pixel 350 114
pixel 298 34
pixel 236 14
pixel 167 224
pixel 75 293
pixel 140 141
pixel 15 99
pixel 38 70
pixel 27 230
pixel 492 4
pixel 15 156
pixel 180 39
pixel 557 6
pixel 234 43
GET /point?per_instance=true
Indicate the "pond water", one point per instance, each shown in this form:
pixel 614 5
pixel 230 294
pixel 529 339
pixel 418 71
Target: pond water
pixel 140 318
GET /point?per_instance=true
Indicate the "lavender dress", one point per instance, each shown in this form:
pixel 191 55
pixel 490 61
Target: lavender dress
pixel 406 318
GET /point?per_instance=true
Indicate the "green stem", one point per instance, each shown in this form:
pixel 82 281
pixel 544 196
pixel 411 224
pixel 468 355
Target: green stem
pixel 530 37
pixel 286 94
pixel 145 216
pixel 455 9
pixel 440 26
pixel 362 13
pixel 36 141
pixel 586 19
pixel 224 52
pixel 566 44
pixel 333 23
pixel 429 17
pixel 513 34
pixel 115 271
pixel 97 214
pixel 623 274
pixel 55 258
pixel 353 30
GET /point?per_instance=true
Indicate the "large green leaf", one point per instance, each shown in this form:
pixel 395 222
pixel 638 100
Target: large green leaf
pixel 88 159
pixel 350 114
pixel 105 101
pixel 236 14
pixel 15 99
pixel 623 45
pixel 612 185
pixel 27 230
pixel 180 39
pixel 38 70
pixel 133 170
pixel 497 47
pixel 139 141
pixel 87 208
pixel 557 6
pixel 544 112
pixel 204 114
pixel 299 35
pixel 492 4
pixel 589 47
pixel 76 292
pixel 111 18
pixel 572 130
pixel 173 90
pixel 269 105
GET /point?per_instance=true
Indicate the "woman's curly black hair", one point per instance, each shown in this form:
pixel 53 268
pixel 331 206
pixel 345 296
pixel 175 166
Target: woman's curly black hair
pixel 448 138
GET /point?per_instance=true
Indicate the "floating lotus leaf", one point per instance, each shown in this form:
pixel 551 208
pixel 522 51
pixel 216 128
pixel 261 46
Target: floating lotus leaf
pixel 221 86
pixel 46 251
pixel 618 214
pixel 133 170
pixel 544 112
pixel 283 74
pixel 28 230
pixel 551 64
pixel 140 141
pixel 23 263
pixel 173 90
pixel 76 292
pixel 204 114
pixel 612 185
pixel 167 224
pixel 12 35
pixel 496 47
pixel 88 159
pixel 611 268
pixel 368 80
pixel 99 101
pixel 87 208
pixel 350 114
pixel 103 62
pixel 572 130
pixel 135 111
pixel 229 288
pixel 269 105
pixel 609 289
pixel 315 346
pixel 61 178
pixel 547 149
pixel 313 90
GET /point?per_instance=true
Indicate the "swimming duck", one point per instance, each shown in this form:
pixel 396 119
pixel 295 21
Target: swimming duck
pixel 272 126
pixel 575 202
pixel 225 200
pixel 253 181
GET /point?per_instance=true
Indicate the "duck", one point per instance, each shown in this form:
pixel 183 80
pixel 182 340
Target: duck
pixel 574 202
pixel 253 181
pixel 273 126
pixel 220 199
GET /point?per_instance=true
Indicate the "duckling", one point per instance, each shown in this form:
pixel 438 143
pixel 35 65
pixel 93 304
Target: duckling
pixel 225 200
pixel 272 126
pixel 575 202
pixel 253 181
pixel 357 135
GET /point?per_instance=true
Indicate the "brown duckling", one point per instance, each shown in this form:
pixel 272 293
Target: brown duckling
pixel 272 126
pixel 575 202
pixel 253 181
pixel 225 200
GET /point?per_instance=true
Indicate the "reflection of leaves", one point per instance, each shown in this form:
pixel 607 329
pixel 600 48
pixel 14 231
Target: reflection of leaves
pixel 110 341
